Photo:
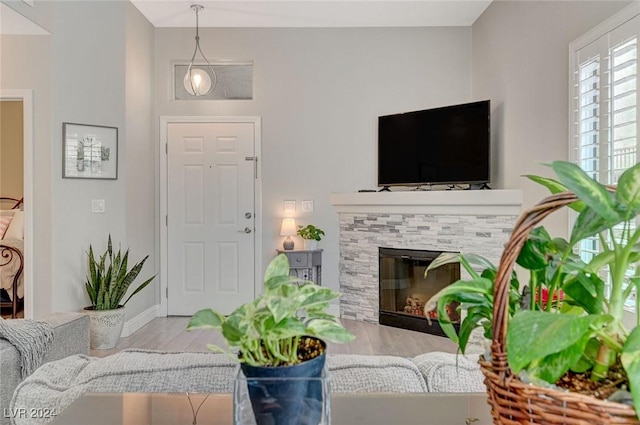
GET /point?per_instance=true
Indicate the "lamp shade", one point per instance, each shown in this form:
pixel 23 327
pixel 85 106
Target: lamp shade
pixel 197 82
pixel 288 227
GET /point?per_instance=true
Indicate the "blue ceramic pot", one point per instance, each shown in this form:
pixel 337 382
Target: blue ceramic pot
pixel 281 401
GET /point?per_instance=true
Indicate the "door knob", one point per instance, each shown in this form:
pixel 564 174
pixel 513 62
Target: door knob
pixel 246 230
pixel 247 215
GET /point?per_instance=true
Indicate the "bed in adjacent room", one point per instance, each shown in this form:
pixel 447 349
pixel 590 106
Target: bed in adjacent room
pixel 11 254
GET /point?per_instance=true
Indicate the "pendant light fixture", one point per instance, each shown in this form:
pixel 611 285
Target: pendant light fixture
pixel 199 81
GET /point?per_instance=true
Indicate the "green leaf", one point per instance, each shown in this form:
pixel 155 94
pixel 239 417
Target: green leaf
pixel 553 366
pixel 139 288
pixel 287 328
pixel 590 223
pixel 630 359
pixel 472 293
pixel 235 328
pixel 466 261
pixel 315 294
pixel 206 319
pixel 330 330
pixel 441 260
pixel 474 319
pixel 533 335
pixel 554 187
pixel 587 291
pixel 594 195
pixel 588 357
pixel 599 261
pixel 628 191
pixel 279 266
pixel 533 255
pixel 273 284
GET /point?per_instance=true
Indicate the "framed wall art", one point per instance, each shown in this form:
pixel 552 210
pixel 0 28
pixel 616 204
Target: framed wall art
pixel 89 151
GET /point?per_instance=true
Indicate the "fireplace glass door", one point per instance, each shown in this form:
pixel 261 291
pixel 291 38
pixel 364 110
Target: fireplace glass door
pixel 404 289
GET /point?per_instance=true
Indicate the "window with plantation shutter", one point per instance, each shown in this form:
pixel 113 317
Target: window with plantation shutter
pixel 604 108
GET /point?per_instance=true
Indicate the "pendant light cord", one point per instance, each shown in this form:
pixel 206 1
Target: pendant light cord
pixel 212 72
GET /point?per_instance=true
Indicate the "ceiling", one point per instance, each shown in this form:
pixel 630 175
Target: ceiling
pixel 293 13
pixel 319 13
pixel 11 22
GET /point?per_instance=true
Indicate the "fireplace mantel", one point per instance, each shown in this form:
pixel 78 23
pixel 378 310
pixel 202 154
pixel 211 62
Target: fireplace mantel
pixel 442 202
pixel 466 221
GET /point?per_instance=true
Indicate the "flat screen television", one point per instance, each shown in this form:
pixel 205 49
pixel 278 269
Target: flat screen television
pixel 448 145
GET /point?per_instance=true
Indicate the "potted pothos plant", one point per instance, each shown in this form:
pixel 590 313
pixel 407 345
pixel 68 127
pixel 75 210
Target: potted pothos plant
pixel 282 333
pixel 565 323
pixel 107 284
pixel 311 236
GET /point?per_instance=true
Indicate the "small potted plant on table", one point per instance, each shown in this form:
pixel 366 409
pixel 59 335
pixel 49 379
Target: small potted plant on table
pixel 559 346
pixel 311 236
pixel 280 335
pixel 107 284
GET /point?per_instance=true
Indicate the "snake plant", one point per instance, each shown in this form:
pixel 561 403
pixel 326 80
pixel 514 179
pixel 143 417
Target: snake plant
pixel 109 279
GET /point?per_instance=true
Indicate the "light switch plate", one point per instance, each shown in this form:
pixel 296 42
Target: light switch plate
pixel 289 206
pixel 97 205
pixel 307 206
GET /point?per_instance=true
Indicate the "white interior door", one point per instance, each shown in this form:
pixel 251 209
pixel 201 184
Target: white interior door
pixel 210 216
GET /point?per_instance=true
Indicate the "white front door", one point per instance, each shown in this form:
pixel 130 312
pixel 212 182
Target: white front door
pixel 210 216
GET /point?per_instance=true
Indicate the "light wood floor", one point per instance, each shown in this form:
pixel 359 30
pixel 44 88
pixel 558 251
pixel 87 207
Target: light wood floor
pixel 169 334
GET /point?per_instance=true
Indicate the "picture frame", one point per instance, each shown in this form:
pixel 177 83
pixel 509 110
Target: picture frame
pixel 89 151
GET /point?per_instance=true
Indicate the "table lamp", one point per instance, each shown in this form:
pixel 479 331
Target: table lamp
pixel 288 229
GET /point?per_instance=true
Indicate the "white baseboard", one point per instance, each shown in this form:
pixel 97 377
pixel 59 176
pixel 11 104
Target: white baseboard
pixel 132 325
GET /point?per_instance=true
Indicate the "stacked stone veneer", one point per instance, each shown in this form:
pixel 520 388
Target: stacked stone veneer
pixel 361 234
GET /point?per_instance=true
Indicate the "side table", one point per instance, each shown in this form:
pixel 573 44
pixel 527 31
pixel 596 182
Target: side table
pixel 304 264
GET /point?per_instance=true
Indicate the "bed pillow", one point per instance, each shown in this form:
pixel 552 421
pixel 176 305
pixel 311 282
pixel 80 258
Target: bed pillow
pixel 4 223
pixel 16 227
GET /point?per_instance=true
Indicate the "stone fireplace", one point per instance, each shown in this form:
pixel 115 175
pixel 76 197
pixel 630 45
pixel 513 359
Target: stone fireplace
pixel 476 221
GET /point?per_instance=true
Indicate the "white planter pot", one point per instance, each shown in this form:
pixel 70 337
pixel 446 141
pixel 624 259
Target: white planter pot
pixel 105 327
pixel 310 244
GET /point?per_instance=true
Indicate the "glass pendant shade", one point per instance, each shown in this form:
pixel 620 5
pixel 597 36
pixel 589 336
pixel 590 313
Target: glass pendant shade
pixel 197 82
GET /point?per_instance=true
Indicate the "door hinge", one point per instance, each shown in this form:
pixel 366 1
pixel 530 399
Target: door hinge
pixel 166 220
pixel 166 148
pixel 166 292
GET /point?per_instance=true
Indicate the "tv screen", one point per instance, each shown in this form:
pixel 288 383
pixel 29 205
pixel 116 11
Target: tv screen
pixel 448 145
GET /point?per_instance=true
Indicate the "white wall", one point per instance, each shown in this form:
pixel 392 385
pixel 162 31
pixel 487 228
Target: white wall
pixel 29 57
pixel 88 88
pixel 100 52
pixel 140 154
pixel 319 93
pixel 521 62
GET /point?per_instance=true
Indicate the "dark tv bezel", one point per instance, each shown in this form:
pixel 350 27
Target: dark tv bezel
pixel 435 183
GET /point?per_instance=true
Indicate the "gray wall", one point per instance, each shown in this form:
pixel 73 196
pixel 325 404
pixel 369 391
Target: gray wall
pixel 521 62
pixel 319 93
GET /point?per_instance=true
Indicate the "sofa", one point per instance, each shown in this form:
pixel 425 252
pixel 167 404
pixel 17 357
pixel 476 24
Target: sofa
pixel 55 385
pixel 70 337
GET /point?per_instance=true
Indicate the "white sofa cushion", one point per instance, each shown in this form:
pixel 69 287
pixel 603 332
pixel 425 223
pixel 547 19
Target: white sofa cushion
pixel 352 373
pixel 450 373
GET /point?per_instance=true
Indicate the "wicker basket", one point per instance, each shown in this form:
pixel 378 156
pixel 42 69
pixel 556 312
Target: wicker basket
pixel 512 401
